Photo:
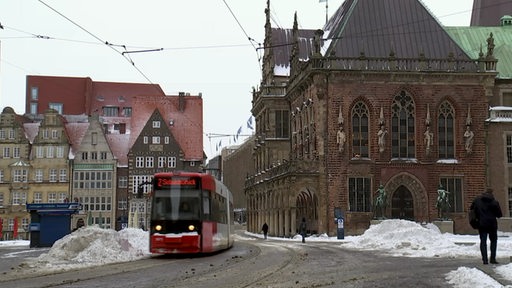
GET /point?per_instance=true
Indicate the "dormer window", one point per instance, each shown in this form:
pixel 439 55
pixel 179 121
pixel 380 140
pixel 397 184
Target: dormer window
pixel 156 124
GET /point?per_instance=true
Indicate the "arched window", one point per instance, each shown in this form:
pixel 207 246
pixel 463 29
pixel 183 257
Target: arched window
pixel 446 131
pixel 402 126
pixel 360 130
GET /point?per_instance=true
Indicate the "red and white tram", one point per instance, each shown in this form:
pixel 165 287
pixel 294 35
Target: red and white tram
pixel 191 213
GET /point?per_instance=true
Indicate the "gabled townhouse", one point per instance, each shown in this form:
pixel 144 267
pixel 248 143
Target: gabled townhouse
pixel 166 136
pixel 94 168
pixel 15 169
pixel 49 163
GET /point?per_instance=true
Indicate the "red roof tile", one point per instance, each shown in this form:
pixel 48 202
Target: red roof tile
pixel 187 127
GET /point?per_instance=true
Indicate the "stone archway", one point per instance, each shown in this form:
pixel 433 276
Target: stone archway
pixel 410 198
pixel 306 207
pixel 402 204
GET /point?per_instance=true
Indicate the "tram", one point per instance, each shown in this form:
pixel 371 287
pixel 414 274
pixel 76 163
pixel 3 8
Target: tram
pixel 191 213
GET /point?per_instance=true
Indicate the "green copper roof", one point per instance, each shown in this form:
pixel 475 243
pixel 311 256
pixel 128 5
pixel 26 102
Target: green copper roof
pixel 474 39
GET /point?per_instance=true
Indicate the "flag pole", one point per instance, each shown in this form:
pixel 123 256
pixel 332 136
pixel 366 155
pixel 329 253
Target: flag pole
pixel 326 10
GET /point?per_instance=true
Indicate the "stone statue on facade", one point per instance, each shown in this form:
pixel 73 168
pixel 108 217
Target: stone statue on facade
pixel 382 138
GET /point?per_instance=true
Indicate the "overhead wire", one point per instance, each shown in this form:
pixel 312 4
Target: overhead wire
pixel 99 39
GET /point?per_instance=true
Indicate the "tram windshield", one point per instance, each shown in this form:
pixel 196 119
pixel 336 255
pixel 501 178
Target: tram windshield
pixel 175 204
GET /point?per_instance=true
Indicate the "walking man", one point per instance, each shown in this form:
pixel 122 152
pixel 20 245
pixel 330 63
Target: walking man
pixel 487 211
pixel 264 228
pixel 302 230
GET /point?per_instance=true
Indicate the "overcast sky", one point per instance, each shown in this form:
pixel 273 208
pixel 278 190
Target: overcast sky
pixel 205 47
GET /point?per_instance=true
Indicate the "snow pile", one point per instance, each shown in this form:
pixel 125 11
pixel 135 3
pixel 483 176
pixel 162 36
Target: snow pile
pixel 471 277
pixel 93 246
pixel 407 238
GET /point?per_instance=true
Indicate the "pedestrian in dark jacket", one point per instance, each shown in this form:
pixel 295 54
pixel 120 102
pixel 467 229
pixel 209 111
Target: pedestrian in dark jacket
pixel 264 228
pixel 302 230
pixel 487 211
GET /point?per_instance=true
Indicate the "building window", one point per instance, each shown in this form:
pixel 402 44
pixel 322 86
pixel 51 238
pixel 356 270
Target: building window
pixel 63 175
pixel 63 197
pixel 38 197
pixel 145 139
pixel 2 134
pixel 94 155
pixel 123 182
pixel 85 155
pixel 1 176
pixel 11 134
pixel 359 194
pixel 192 163
pixel 166 140
pixel 57 107
pixel 52 197
pixel 7 152
pixel 34 93
pixel 156 124
pixel 171 162
pixel 122 204
pixel 509 148
pixel 39 152
pixel 60 151
pixel 446 139
pixel 55 134
pixel 402 126
pixel 110 111
pixel 53 175
pixel 1 199
pixel 149 162
pixel 20 175
pixel 161 162
pixel 49 152
pixel 103 155
pixel 16 152
pixel 33 108
pixel 39 175
pixel 137 180
pixel 155 139
pixel 127 111
pixel 92 180
pixel 454 187
pixel 510 201
pixel 282 123
pixel 360 129
pixel 507 99
pixel 19 198
pixel 139 162
pixel 45 134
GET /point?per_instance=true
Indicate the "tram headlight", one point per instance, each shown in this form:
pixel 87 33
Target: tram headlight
pixel 191 227
pixel 158 227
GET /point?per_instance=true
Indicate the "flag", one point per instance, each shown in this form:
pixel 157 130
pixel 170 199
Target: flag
pixel 249 123
pixel 15 229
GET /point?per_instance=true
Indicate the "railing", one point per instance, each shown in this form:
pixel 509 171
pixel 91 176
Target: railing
pixel 287 167
pixel 394 64
pixel 500 114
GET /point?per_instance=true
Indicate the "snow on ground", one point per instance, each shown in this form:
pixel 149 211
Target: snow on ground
pixel 92 246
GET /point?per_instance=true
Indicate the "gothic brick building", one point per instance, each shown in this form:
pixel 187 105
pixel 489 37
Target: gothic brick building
pixel 378 97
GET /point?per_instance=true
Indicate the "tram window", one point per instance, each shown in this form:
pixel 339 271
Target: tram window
pixel 206 207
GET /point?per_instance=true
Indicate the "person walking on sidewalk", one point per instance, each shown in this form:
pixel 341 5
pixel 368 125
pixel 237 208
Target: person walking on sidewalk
pixel 264 228
pixel 302 230
pixel 487 210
